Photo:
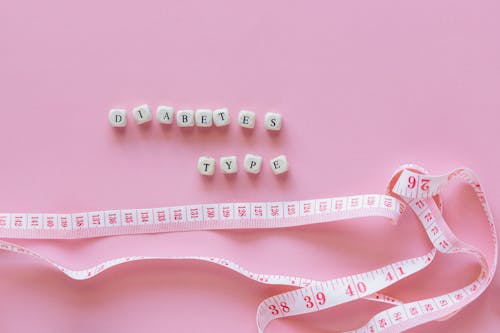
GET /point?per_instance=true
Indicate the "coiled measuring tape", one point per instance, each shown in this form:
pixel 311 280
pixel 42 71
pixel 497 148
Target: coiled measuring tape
pixel 411 186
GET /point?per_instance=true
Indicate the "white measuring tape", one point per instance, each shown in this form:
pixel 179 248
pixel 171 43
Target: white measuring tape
pixel 410 186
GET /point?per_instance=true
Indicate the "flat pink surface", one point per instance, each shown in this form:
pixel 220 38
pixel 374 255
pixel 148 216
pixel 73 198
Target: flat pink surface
pixel 364 86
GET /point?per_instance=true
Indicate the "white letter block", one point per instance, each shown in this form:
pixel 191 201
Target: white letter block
pixel 117 117
pixel 272 121
pixel 203 118
pixel 246 119
pixel 229 164
pixel 206 165
pixel 221 117
pixel 165 114
pixel 142 114
pixel 279 164
pixel 252 163
pixel 185 118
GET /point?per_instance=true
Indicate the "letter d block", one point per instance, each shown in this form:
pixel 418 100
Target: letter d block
pixel 117 117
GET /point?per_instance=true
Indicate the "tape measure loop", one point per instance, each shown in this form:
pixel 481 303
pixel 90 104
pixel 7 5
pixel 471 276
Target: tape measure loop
pixel 411 186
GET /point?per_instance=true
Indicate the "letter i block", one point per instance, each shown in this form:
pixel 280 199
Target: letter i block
pixel 142 114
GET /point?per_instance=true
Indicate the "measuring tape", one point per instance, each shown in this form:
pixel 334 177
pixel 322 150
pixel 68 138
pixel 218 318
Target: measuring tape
pixel 411 186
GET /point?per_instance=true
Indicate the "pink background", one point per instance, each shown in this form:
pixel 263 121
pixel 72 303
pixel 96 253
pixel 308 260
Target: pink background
pixel 363 86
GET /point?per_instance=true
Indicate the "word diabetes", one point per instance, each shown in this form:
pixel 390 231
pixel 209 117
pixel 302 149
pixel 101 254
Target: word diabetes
pixel 188 118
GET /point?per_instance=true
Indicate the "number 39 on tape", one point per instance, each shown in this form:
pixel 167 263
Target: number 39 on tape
pixel 411 186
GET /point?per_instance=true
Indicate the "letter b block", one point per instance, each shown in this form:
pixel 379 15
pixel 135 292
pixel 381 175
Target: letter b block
pixel 185 118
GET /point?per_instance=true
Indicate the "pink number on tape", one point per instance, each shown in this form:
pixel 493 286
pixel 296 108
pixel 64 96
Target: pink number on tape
pixel 410 186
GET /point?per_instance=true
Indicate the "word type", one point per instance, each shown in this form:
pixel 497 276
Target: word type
pixel 251 163
pixel 188 118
